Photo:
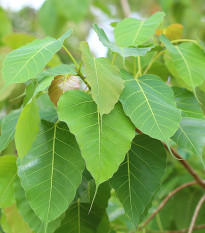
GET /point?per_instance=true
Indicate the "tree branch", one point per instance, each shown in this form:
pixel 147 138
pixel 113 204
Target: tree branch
pixel 196 212
pixel 166 200
pixel 187 166
pixel 125 7
pixel 184 163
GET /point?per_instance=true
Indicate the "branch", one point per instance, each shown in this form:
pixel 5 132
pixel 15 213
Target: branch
pixel 196 212
pixel 187 166
pixel 184 163
pixel 166 200
pixel 178 231
pixel 125 7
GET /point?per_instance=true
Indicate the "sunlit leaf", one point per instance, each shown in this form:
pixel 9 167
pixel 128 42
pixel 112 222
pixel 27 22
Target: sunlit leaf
pixel 173 31
pixel 102 142
pixel 27 127
pixel 134 32
pixel 8 128
pixel 16 40
pixel 104 79
pixel 124 52
pixel 151 106
pixel 51 171
pixel 13 222
pixel 26 62
pixel 189 61
pixel 140 175
pixel 7 177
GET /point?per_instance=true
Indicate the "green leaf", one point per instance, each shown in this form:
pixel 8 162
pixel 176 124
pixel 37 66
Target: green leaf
pixel 46 77
pixel 8 128
pixel 191 136
pixel 73 10
pixel 189 61
pixel 102 142
pixel 140 175
pixel 6 26
pixel 52 170
pixel 78 218
pixel 134 32
pixel 178 211
pixel 7 177
pixel 16 40
pixel 27 127
pixel 151 106
pixel 13 222
pixel 48 114
pixel 124 52
pixel 28 213
pixel 104 79
pixel 186 101
pixel 26 62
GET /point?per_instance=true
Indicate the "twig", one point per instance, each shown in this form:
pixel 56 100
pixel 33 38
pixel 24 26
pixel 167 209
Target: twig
pixel 166 200
pixel 187 166
pixel 196 212
pixel 178 231
pixel 125 7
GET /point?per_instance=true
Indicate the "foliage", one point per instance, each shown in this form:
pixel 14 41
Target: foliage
pixel 91 146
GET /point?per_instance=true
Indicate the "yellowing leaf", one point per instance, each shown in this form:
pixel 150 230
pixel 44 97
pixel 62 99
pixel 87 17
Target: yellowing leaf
pixel 173 31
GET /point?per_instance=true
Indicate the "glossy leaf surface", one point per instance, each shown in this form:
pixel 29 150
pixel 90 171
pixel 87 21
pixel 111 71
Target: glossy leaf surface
pixel 104 79
pixel 134 32
pixel 102 142
pixel 52 171
pixel 151 106
pixel 140 175
pixel 26 62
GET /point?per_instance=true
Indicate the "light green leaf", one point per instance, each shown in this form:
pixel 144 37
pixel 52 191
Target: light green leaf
pixel 6 26
pixel 45 78
pixel 8 128
pixel 16 40
pixel 27 127
pixel 134 32
pixel 102 142
pixel 189 61
pixel 104 79
pixel 186 101
pixel 26 62
pixel 78 219
pixel 29 215
pixel 124 52
pixel 151 106
pixel 191 136
pixel 7 177
pixel 52 171
pixel 140 175
pixel 13 222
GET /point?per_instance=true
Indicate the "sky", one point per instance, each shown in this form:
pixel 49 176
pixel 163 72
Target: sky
pixel 18 4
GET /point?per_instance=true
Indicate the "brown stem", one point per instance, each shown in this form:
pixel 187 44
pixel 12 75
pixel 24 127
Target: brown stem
pixel 178 231
pixel 184 163
pixel 166 200
pixel 187 166
pixel 196 212
pixel 126 7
